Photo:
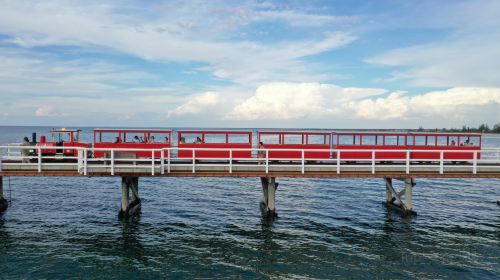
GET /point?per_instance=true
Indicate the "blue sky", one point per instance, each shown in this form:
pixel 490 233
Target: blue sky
pixel 331 64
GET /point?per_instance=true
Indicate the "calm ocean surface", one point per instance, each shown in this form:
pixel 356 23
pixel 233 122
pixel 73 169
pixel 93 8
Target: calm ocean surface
pixel 60 228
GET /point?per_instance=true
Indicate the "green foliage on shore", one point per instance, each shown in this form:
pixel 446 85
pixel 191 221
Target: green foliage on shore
pixel 483 128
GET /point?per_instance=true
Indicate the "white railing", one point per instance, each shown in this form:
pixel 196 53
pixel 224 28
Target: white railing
pixel 117 160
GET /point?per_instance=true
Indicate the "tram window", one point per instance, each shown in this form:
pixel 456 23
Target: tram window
pixel 357 140
pixel 334 140
pixel 346 140
pixel 270 138
pixel 215 138
pixel 190 137
pixel 238 138
pixel 410 140
pixel 401 140
pixel 318 139
pixel 107 137
pixel 131 136
pixel 475 141
pixel 368 140
pixel 442 140
pixel 293 139
pixel 419 140
pixel 380 140
pixel 431 140
pixel 453 141
pixel 391 140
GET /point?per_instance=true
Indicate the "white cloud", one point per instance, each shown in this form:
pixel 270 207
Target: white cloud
pixel 45 111
pixel 285 101
pixel 314 101
pixel 463 57
pixel 452 103
pixel 176 32
pixel 197 104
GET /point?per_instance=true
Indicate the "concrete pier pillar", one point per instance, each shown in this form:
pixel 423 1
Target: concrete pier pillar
pixel 388 193
pixel 3 201
pixel 268 203
pixel 402 200
pixel 408 194
pixel 129 207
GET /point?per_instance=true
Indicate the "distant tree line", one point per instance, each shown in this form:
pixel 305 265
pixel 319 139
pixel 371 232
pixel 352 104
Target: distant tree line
pixel 483 128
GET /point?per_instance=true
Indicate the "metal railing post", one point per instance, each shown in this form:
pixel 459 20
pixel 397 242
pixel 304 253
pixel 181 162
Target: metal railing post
pixel 230 161
pixel 474 163
pixel 194 166
pixel 407 162
pixel 162 158
pixel 303 162
pixel 168 159
pixel 79 153
pixel 373 162
pixel 39 159
pixel 85 153
pixel 153 162
pixel 267 161
pixel 338 161
pixel 441 162
pixel 112 162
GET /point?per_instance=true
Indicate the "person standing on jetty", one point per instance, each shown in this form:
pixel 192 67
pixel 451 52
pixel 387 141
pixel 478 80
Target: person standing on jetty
pixel 261 153
pixel 25 152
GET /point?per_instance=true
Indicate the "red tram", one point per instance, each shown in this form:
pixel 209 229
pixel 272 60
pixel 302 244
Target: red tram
pixel 62 138
pixel 386 145
pixel 307 140
pixel 132 139
pixel 286 145
pixel 210 139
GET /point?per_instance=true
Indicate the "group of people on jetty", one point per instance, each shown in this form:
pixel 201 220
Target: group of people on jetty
pixel 466 143
pixel 138 139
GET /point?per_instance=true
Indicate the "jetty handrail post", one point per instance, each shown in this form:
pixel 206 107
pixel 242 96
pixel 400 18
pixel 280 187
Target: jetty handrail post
pixel 162 164
pixel 474 163
pixel 338 161
pixel 85 152
pixel 303 162
pixel 194 160
pixel 112 162
pixel 168 159
pixel 153 162
pixel 79 161
pixel 230 160
pixel 267 161
pixel 407 162
pixel 373 162
pixel 39 159
pixel 441 162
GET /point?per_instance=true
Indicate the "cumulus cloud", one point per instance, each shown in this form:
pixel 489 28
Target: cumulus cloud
pixel 197 104
pixel 296 100
pixel 454 102
pixel 292 101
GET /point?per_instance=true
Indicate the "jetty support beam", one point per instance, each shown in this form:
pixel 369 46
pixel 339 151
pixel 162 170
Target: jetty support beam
pixel 402 200
pixel 3 201
pixel 129 207
pixel 268 203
